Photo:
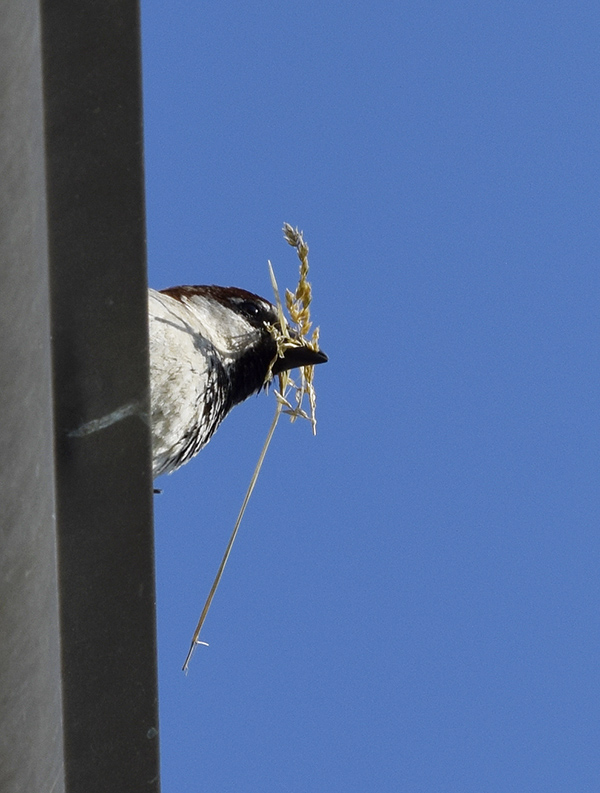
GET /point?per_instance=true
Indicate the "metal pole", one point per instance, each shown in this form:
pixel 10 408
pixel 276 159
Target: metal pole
pixel 78 665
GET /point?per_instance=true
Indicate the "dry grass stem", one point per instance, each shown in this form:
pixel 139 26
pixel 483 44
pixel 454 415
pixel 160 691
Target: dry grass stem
pixel 298 306
pixel 196 637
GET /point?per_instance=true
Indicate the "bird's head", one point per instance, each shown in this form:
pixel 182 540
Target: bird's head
pixel 238 325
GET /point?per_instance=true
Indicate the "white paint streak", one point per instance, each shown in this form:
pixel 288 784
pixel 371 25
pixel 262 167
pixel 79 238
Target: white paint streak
pixel 132 409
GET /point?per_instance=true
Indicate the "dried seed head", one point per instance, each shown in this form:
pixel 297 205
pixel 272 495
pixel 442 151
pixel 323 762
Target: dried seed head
pixel 298 306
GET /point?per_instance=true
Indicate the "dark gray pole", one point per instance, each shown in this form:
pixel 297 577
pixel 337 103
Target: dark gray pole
pixel 31 748
pixel 97 707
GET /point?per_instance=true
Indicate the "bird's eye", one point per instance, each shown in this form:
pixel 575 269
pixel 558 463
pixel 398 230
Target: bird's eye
pixel 249 308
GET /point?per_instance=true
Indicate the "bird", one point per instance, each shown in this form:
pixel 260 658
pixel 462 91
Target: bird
pixel 211 348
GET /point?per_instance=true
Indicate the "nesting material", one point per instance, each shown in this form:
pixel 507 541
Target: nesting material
pixel 286 336
pixel 290 395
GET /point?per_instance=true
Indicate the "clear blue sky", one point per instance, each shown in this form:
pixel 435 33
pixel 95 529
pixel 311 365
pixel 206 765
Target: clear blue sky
pixel 413 601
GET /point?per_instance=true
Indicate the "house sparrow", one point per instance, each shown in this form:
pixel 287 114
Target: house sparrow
pixel 210 348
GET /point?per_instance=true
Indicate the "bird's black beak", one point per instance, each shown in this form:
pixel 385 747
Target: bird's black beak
pixel 298 356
